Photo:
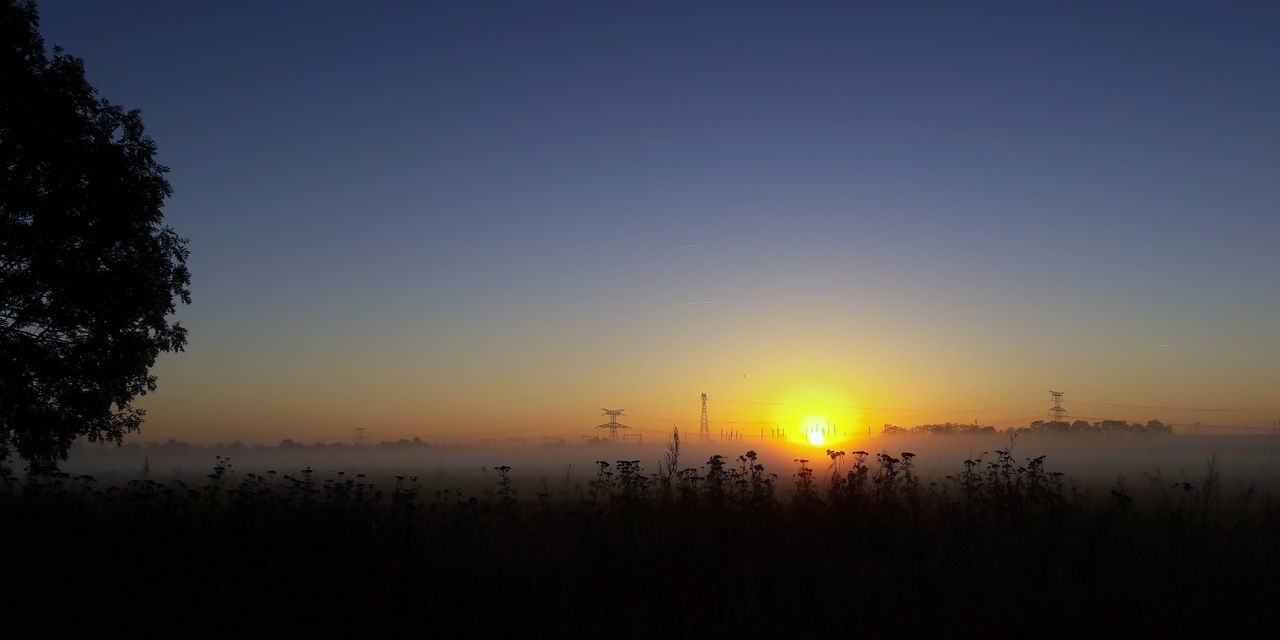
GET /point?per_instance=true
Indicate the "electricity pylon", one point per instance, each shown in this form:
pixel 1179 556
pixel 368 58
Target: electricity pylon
pixel 612 425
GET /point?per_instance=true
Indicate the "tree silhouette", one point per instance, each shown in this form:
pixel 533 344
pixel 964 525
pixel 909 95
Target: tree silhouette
pixel 88 273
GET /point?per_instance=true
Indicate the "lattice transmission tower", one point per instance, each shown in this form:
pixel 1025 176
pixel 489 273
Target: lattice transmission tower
pixel 704 426
pixel 1057 412
pixel 612 425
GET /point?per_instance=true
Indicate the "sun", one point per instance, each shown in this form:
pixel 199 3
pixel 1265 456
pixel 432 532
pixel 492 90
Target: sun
pixel 815 428
pixel 815 416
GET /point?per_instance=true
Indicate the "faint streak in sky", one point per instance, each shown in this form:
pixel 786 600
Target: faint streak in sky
pixel 690 246
pixel 1163 346
pixel 700 302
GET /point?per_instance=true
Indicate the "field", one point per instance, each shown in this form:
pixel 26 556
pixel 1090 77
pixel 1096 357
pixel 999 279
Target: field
pixel 859 543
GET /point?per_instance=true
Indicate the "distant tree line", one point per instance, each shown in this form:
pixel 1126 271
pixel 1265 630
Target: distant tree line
pixel 1101 426
pixel 1037 426
pixel 943 429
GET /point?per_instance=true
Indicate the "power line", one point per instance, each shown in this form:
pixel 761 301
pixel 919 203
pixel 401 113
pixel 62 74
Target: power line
pixel 1174 408
pixel 814 406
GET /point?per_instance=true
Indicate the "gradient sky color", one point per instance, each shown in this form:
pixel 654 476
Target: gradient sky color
pixel 469 218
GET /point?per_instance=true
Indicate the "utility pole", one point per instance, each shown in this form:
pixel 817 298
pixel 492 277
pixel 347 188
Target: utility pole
pixel 704 427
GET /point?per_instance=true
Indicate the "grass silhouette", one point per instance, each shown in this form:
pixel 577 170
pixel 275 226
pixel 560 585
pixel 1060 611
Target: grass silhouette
pixel 1000 546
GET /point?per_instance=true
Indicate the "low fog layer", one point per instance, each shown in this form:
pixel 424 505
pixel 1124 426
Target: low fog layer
pixel 1090 462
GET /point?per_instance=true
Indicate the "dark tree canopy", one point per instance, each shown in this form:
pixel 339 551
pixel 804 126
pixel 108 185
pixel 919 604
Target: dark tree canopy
pixel 89 275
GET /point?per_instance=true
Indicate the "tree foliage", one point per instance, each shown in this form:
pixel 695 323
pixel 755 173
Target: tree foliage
pixel 89 274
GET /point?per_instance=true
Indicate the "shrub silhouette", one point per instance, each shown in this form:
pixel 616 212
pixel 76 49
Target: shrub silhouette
pixel 871 540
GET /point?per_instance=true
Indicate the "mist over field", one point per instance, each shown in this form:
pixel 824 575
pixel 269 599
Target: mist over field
pixel 1092 462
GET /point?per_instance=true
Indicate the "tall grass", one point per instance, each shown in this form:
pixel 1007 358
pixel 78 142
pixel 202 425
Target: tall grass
pixel 859 544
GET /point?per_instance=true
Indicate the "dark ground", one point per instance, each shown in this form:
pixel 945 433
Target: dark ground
pixel 1000 548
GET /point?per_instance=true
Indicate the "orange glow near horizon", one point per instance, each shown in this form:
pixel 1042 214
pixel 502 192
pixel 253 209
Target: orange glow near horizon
pixel 816 416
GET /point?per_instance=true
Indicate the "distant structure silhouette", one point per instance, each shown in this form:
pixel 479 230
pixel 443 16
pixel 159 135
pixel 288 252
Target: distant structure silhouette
pixel 704 427
pixel 612 425
pixel 731 433
pixel 361 440
pixel 1057 412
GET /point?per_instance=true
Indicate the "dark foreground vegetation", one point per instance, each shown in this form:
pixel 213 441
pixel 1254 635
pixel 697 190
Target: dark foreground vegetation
pixel 853 544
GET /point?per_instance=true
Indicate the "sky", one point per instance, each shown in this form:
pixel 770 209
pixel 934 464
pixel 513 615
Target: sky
pixel 467 219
